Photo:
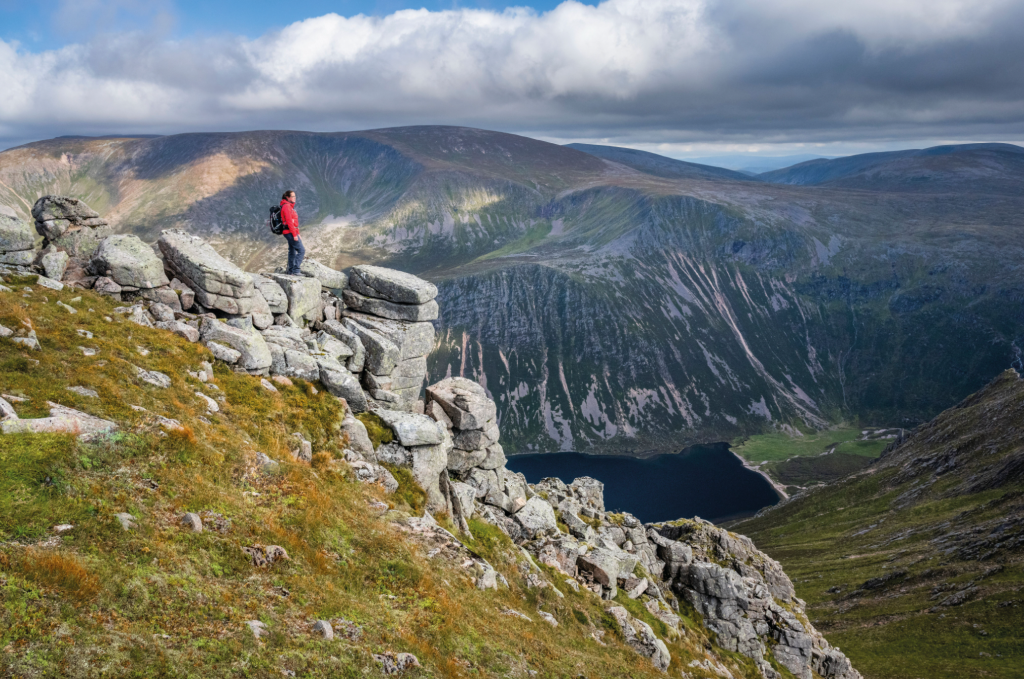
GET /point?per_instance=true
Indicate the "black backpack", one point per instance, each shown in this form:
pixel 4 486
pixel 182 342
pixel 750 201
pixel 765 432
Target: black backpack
pixel 275 223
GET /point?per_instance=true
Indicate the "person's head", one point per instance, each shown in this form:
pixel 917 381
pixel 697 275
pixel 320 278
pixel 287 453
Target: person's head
pixel 289 195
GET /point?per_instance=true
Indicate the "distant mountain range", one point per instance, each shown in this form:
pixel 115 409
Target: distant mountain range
pixel 613 300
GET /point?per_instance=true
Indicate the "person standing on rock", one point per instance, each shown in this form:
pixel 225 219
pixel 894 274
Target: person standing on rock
pixel 296 250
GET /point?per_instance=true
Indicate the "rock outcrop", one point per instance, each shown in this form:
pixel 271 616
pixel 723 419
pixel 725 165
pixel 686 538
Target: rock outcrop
pixel 17 240
pixel 69 225
pixel 217 283
pixel 368 347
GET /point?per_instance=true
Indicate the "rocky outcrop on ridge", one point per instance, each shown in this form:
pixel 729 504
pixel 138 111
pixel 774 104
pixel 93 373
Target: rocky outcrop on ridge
pixel 368 347
pixel 69 225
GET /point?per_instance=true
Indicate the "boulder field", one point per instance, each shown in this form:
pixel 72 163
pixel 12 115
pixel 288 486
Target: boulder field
pixel 363 336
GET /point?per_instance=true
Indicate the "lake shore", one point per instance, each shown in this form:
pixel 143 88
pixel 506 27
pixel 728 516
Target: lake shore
pixel 776 486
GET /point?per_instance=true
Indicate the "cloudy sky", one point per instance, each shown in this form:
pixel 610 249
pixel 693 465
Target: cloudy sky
pixel 681 77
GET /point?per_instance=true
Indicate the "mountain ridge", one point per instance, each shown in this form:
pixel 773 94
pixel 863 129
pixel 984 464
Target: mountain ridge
pixel 743 295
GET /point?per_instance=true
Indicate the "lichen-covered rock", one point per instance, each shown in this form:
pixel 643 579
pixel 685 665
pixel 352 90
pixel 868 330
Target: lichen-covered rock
pixel 255 355
pixel 381 355
pixel 391 310
pixel 303 295
pixel 54 263
pixel 536 516
pixel 216 282
pixel 464 401
pixel 412 429
pixel 391 285
pixel 641 638
pixel 15 234
pixel 272 293
pixel 328 277
pixel 129 261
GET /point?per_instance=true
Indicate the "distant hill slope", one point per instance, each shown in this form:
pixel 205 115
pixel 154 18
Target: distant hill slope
pixel 607 309
pixel 982 168
pixel 916 566
pixel 660 166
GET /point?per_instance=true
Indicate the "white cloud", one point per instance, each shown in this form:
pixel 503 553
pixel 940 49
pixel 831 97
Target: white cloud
pixel 665 71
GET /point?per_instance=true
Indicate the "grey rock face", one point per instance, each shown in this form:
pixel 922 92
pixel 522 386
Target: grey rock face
pixel 74 210
pixel 337 330
pixel 15 234
pixel 216 282
pixel 181 329
pixel 18 258
pixel 536 516
pixel 54 264
pixel 129 261
pixel 358 439
pixel 303 295
pixel 255 355
pixel 412 339
pixel 641 638
pixel 391 285
pixel 392 310
pixel 328 277
pixel 412 429
pixel 223 353
pixel 381 355
pixel 343 384
pixel 464 401
pixel 301 365
pixel 272 293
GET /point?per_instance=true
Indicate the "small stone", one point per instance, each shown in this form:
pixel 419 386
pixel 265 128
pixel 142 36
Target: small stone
pixel 267 385
pixel 548 618
pixel 223 353
pixel 49 283
pixel 84 333
pixel 324 629
pixel 89 351
pixel 67 308
pixel 192 520
pixel 84 391
pixel 211 405
pixel 126 520
pixel 257 628
pixel 269 466
pixel 62 528
pixel 157 379
pixel 143 351
pixel 282 380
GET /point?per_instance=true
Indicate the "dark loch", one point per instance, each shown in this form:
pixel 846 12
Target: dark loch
pixel 706 481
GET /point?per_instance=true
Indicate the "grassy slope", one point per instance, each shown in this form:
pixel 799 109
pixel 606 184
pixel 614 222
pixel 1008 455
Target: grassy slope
pixel 935 530
pixel 162 601
pixel 799 461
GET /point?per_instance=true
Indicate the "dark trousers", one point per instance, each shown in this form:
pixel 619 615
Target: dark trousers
pixel 296 253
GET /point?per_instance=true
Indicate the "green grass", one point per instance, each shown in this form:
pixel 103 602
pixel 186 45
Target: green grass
pixel 162 601
pixel 533 237
pixel 766 447
pixel 901 518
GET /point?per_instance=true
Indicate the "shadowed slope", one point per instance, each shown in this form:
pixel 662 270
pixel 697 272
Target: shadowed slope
pixel 981 168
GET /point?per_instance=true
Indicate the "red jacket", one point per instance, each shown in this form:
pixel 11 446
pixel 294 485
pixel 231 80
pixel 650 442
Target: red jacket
pixel 290 218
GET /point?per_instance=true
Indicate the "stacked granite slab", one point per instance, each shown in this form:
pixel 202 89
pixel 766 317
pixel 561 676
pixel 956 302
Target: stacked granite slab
pixel 390 312
pixel 391 294
pixel 132 269
pixel 17 239
pixel 476 459
pixel 218 285
pixel 69 225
